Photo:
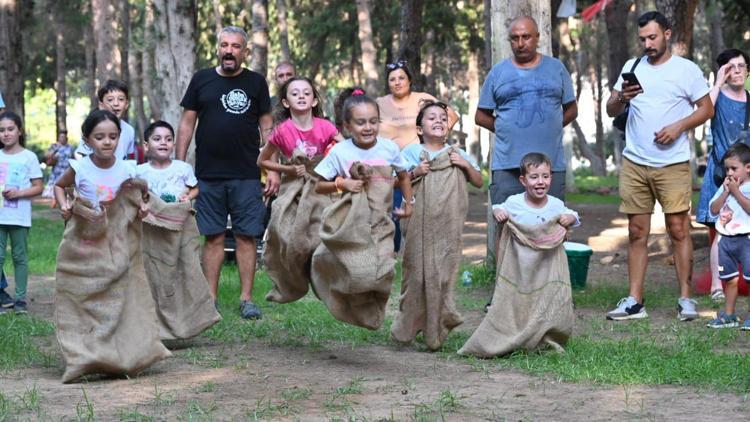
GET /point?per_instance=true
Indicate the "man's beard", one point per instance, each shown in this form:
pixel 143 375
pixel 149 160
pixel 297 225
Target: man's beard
pixel 229 68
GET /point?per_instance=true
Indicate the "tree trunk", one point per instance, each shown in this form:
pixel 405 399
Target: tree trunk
pixel 680 14
pixel 174 53
pixel 259 61
pixel 598 166
pixel 217 16
pixel 60 86
pixel 369 55
pixel 617 35
pixel 286 55
pixel 124 42
pixel 473 146
pixel 105 39
pixel 11 55
pixel 155 101
pixel 715 16
pixel 410 40
pixel 90 57
pixel 136 91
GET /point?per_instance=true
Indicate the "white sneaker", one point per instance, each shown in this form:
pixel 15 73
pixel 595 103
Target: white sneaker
pixel 686 309
pixel 627 308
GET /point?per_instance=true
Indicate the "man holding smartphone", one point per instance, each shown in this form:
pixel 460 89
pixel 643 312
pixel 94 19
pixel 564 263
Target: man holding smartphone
pixel 671 100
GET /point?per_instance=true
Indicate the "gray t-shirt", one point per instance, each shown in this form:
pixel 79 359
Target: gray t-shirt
pixel 527 104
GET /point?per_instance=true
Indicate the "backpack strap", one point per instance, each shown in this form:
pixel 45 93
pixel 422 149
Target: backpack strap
pixel 747 110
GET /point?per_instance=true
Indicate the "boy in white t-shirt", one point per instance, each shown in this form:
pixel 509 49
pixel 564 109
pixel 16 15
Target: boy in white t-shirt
pixel 113 96
pixel 731 204
pixel 535 206
pixel 171 180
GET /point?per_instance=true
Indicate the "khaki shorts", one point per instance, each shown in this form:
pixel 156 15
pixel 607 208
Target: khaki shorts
pixel 641 185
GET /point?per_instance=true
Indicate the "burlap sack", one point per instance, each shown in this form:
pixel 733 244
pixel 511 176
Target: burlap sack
pixel 353 267
pixel 171 255
pixel 104 312
pixel 293 233
pixel 532 305
pixel 432 254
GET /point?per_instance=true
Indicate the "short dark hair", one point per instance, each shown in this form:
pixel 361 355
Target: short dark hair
pixel 153 126
pixel 725 56
pixel 96 117
pixel 533 159
pixel 739 151
pixel 16 119
pixel 423 106
pixel 655 16
pixel 110 86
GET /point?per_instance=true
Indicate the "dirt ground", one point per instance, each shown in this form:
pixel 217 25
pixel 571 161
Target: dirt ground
pixel 255 380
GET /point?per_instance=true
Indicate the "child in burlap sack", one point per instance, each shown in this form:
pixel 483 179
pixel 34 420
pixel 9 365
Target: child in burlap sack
pixel 532 305
pixel 300 139
pixel 353 267
pixel 433 248
pixel 171 243
pixel 104 313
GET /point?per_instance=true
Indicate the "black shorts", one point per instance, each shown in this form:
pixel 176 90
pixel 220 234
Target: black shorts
pixel 734 252
pixel 240 199
pixel 505 183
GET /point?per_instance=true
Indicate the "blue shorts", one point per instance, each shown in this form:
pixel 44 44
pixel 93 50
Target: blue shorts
pixel 734 251
pixel 505 183
pixel 241 199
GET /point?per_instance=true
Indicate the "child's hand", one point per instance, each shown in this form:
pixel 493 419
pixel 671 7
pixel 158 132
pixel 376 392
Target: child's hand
pixel 403 212
pixel 501 215
pixel 11 193
pixel 732 186
pixel 567 220
pixel 65 211
pixel 273 181
pixel 184 198
pixel 296 170
pixel 352 185
pixel 422 169
pixel 143 210
pixel 457 160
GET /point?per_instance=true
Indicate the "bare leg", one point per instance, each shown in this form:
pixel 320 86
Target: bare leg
pixel 213 258
pixel 639 227
pixel 731 293
pixel 678 227
pixel 246 263
pixel 714 260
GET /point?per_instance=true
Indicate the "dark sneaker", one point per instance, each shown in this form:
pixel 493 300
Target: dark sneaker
pixel 5 300
pixel 686 309
pixel 746 324
pixel 5 310
pixel 248 310
pixel 627 308
pixel 20 307
pixel 723 320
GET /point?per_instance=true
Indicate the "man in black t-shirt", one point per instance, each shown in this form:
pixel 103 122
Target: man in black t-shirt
pixel 228 102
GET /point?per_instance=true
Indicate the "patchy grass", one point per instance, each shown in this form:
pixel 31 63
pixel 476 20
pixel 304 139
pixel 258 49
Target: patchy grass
pixel 19 347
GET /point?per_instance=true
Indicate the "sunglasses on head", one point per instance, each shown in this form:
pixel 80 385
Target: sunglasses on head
pixel 397 65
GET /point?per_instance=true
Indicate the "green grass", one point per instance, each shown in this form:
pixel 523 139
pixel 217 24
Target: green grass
pixel 19 346
pixel 44 239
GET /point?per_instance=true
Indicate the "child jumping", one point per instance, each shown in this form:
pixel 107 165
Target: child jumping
pixel 301 138
pixel 532 305
pixel 113 96
pixel 731 204
pixel 353 268
pixel 169 179
pixel 433 247
pixel 20 180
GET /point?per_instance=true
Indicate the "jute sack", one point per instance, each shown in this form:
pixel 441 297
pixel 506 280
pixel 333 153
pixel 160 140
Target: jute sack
pixel 432 254
pixel 104 312
pixel 293 233
pixel 532 305
pixel 171 255
pixel 353 267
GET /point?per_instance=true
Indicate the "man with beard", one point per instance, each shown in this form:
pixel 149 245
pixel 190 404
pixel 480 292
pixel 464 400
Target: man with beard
pixel 228 102
pixel 670 100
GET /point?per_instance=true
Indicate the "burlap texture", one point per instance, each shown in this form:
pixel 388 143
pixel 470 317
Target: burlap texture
pixel 532 305
pixel 432 254
pixel 294 233
pixel 104 313
pixel 353 267
pixel 171 255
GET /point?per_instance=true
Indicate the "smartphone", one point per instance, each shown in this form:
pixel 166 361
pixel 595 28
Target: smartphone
pixel 631 79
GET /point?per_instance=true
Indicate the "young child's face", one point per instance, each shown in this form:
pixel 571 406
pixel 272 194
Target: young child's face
pixel 736 170
pixel 103 139
pixel 116 102
pixel 160 144
pixel 363 124
pixel 537 181
pixel 9 133
pixel 299 97
pixel 434 123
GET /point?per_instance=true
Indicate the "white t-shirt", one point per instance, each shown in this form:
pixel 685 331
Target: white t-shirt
pixel 738 221
pixel 669 92
pixel 125 146
pixel 173 180
pixel 413 152
pixel 97 184
pixel 341 157
pixel 523 213
pixel 17 170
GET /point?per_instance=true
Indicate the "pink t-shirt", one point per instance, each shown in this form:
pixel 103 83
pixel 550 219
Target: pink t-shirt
pixel 287 137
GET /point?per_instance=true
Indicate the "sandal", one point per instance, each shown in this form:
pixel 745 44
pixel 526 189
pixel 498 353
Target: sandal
pixel 717 296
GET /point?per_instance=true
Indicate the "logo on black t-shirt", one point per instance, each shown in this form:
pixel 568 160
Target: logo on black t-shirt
pixel 235 102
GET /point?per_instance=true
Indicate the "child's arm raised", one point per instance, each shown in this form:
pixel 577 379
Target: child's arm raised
pixel 719 202
pixel 474 176
pixel 404 183
pixel 733 186
pixel 268 159
pixel 67 179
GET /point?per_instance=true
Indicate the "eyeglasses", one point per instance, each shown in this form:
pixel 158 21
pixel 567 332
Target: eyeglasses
pixel 397 65
pixel 738 66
